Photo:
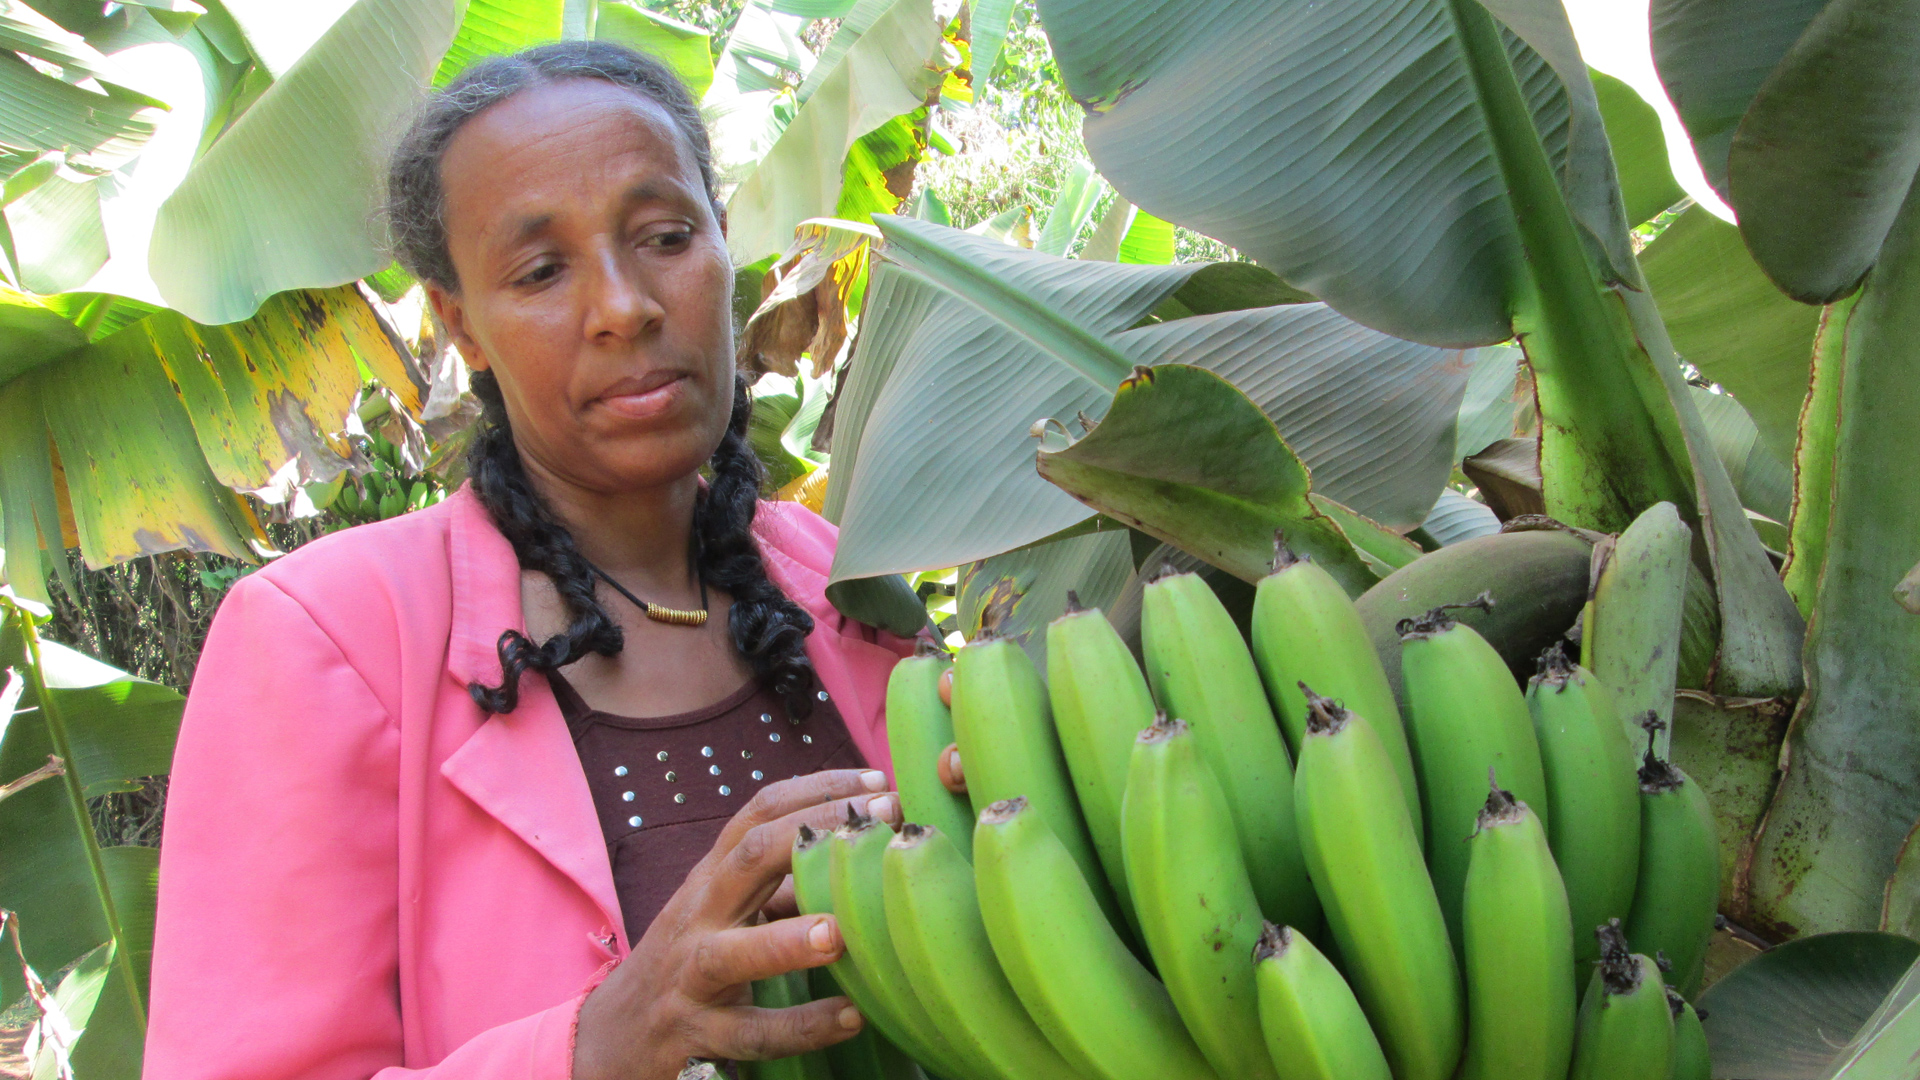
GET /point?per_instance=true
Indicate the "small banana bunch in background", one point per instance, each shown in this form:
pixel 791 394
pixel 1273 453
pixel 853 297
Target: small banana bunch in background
pixel 1254 859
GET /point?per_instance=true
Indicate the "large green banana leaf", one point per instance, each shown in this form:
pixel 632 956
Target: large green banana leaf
pixel 1849 794
pixel 116 729
pixel 289 197
pixel 892 69
pixel 968 342
pixel 1784 1015
pixel 1443 174
pixel 1027 588
pixel 135 441
pixel 1888 1044
pixel 491 27
pixel 1647 185
pixel 684 48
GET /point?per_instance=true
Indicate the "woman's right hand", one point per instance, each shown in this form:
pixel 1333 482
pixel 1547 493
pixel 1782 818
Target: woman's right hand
pixel 684 991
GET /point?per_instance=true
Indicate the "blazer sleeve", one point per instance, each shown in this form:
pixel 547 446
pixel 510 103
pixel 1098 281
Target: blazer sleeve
pixel 276 949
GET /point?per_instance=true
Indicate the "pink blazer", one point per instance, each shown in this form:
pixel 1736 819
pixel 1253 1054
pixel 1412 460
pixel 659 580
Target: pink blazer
pixel 363 874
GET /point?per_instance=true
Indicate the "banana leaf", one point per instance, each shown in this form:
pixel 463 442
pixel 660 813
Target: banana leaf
pixel 1785 1014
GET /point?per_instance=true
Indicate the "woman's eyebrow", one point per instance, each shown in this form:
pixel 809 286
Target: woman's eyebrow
pixel 529 227
pixel 656 191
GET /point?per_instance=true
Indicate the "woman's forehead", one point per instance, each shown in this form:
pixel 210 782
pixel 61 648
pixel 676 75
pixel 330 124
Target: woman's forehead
pixel 558 142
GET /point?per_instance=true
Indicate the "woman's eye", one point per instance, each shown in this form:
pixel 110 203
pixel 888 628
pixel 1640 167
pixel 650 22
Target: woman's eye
pixel 671 238
pixel 542 273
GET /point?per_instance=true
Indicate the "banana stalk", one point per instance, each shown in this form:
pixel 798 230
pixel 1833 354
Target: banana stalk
pixel 1100 702
pixel 1379 901
pixel 1625 1030
pixel 1689 1041
pixel 934 917
pixel 1313 1025
pixel 919 728
pixel 854 875
pixel 784 992
pixel 1465 715
pixel 1519 950
pixel 1630 635
pixel 1201 672
pixel 1305 629
pixel 1594 788
pixel 1196 904
pixel 1678 893
pixel 1009 749
pixel 1094 1001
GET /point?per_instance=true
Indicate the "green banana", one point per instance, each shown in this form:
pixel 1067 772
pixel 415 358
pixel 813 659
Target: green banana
pixel 866 1056
pixel 784 992
pixel 1630 635
pixel 1594 791
pixel 1465 715
pixel 933 914
pixel 1100 702
pixel 855 871
pixel 1689 1041
pixel 1679 888
pixel 919 728
pixel 813 891
pixel 1196 904
pixel 1625 1030
pixel 1009 749
pixel 1379 901
pixel 1542 578
pixel 1096 1003
pixel 1305 629
pixel 1201 672
pixel 1519 950
pixel 1313 1025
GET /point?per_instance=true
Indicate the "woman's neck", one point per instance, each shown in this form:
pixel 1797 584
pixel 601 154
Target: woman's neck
pixel 638 536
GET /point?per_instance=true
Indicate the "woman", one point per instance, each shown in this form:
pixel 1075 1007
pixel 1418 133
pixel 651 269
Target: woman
pixel 501 788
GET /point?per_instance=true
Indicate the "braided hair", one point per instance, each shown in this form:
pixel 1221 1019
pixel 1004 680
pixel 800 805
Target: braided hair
pixel 766 626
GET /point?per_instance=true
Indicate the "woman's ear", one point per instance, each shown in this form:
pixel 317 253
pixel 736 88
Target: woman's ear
pixel 453 315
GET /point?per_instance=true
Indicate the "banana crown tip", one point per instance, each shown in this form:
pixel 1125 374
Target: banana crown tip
pixel 804 838
pixel 1440 619
pixel 1165 570
pixel 1274 941
pixel 1658 777
pixel 1619 969
pixel 1160 730
pixel 1074 607
pixel 1324 715
pixel 1501 808
pixel 1554 668
pixel 1283 556
pixel 912 835
pixel 856 822
pixel 925 647
pixel 1675 1003
pixel 1003 811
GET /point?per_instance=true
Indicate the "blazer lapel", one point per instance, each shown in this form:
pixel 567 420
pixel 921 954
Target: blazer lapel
pixel 520 767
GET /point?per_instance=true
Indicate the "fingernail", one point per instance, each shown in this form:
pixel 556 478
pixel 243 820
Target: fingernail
pixel 884 807
pixel 874 779
pixel 820 935
pixel 850 1018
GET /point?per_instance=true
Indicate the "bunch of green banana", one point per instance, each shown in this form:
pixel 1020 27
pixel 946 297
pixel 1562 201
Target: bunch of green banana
pixel 1100 702
pixel 1196 904
pixel 1689 1041
pixel 1630 629
pixel 1314 1026
pixel 1201 672
pixel 1380 903
pixel 919 728
pixel 1594 791
pixel 1305 629
pixel 933 914
pixel 1101 1009
pixel 1465 715
pixel 1679 887
pixel 855 872
pixel 1518 948
pixel 1625 1030
pixel 1004 728
pixel 783 992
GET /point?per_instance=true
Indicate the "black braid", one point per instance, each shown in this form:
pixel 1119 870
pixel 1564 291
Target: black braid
pixel 768 628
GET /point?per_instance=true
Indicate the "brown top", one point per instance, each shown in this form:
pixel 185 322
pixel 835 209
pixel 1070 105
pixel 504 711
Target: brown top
pixel 664 786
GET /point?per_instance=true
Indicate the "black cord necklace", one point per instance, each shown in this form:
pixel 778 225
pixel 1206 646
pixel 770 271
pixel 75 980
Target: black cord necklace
pixel 660 613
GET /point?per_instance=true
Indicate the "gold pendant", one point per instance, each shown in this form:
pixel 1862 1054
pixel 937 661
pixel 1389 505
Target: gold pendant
pixel 676 616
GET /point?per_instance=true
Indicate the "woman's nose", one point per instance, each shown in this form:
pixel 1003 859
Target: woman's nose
pixel 621 302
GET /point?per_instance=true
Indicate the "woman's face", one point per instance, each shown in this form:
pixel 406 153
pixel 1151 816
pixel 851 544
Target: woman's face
pixel 594 283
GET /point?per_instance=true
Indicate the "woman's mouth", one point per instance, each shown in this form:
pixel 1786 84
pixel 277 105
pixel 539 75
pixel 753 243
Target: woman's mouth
pixel 644 397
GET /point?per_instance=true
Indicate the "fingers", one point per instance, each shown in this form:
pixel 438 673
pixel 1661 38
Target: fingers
pixel 734 957
pixel 747 875
pixel 779 799
pixel 745 1033
pixel 946 688
pixel 950 774
pixel 784 904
